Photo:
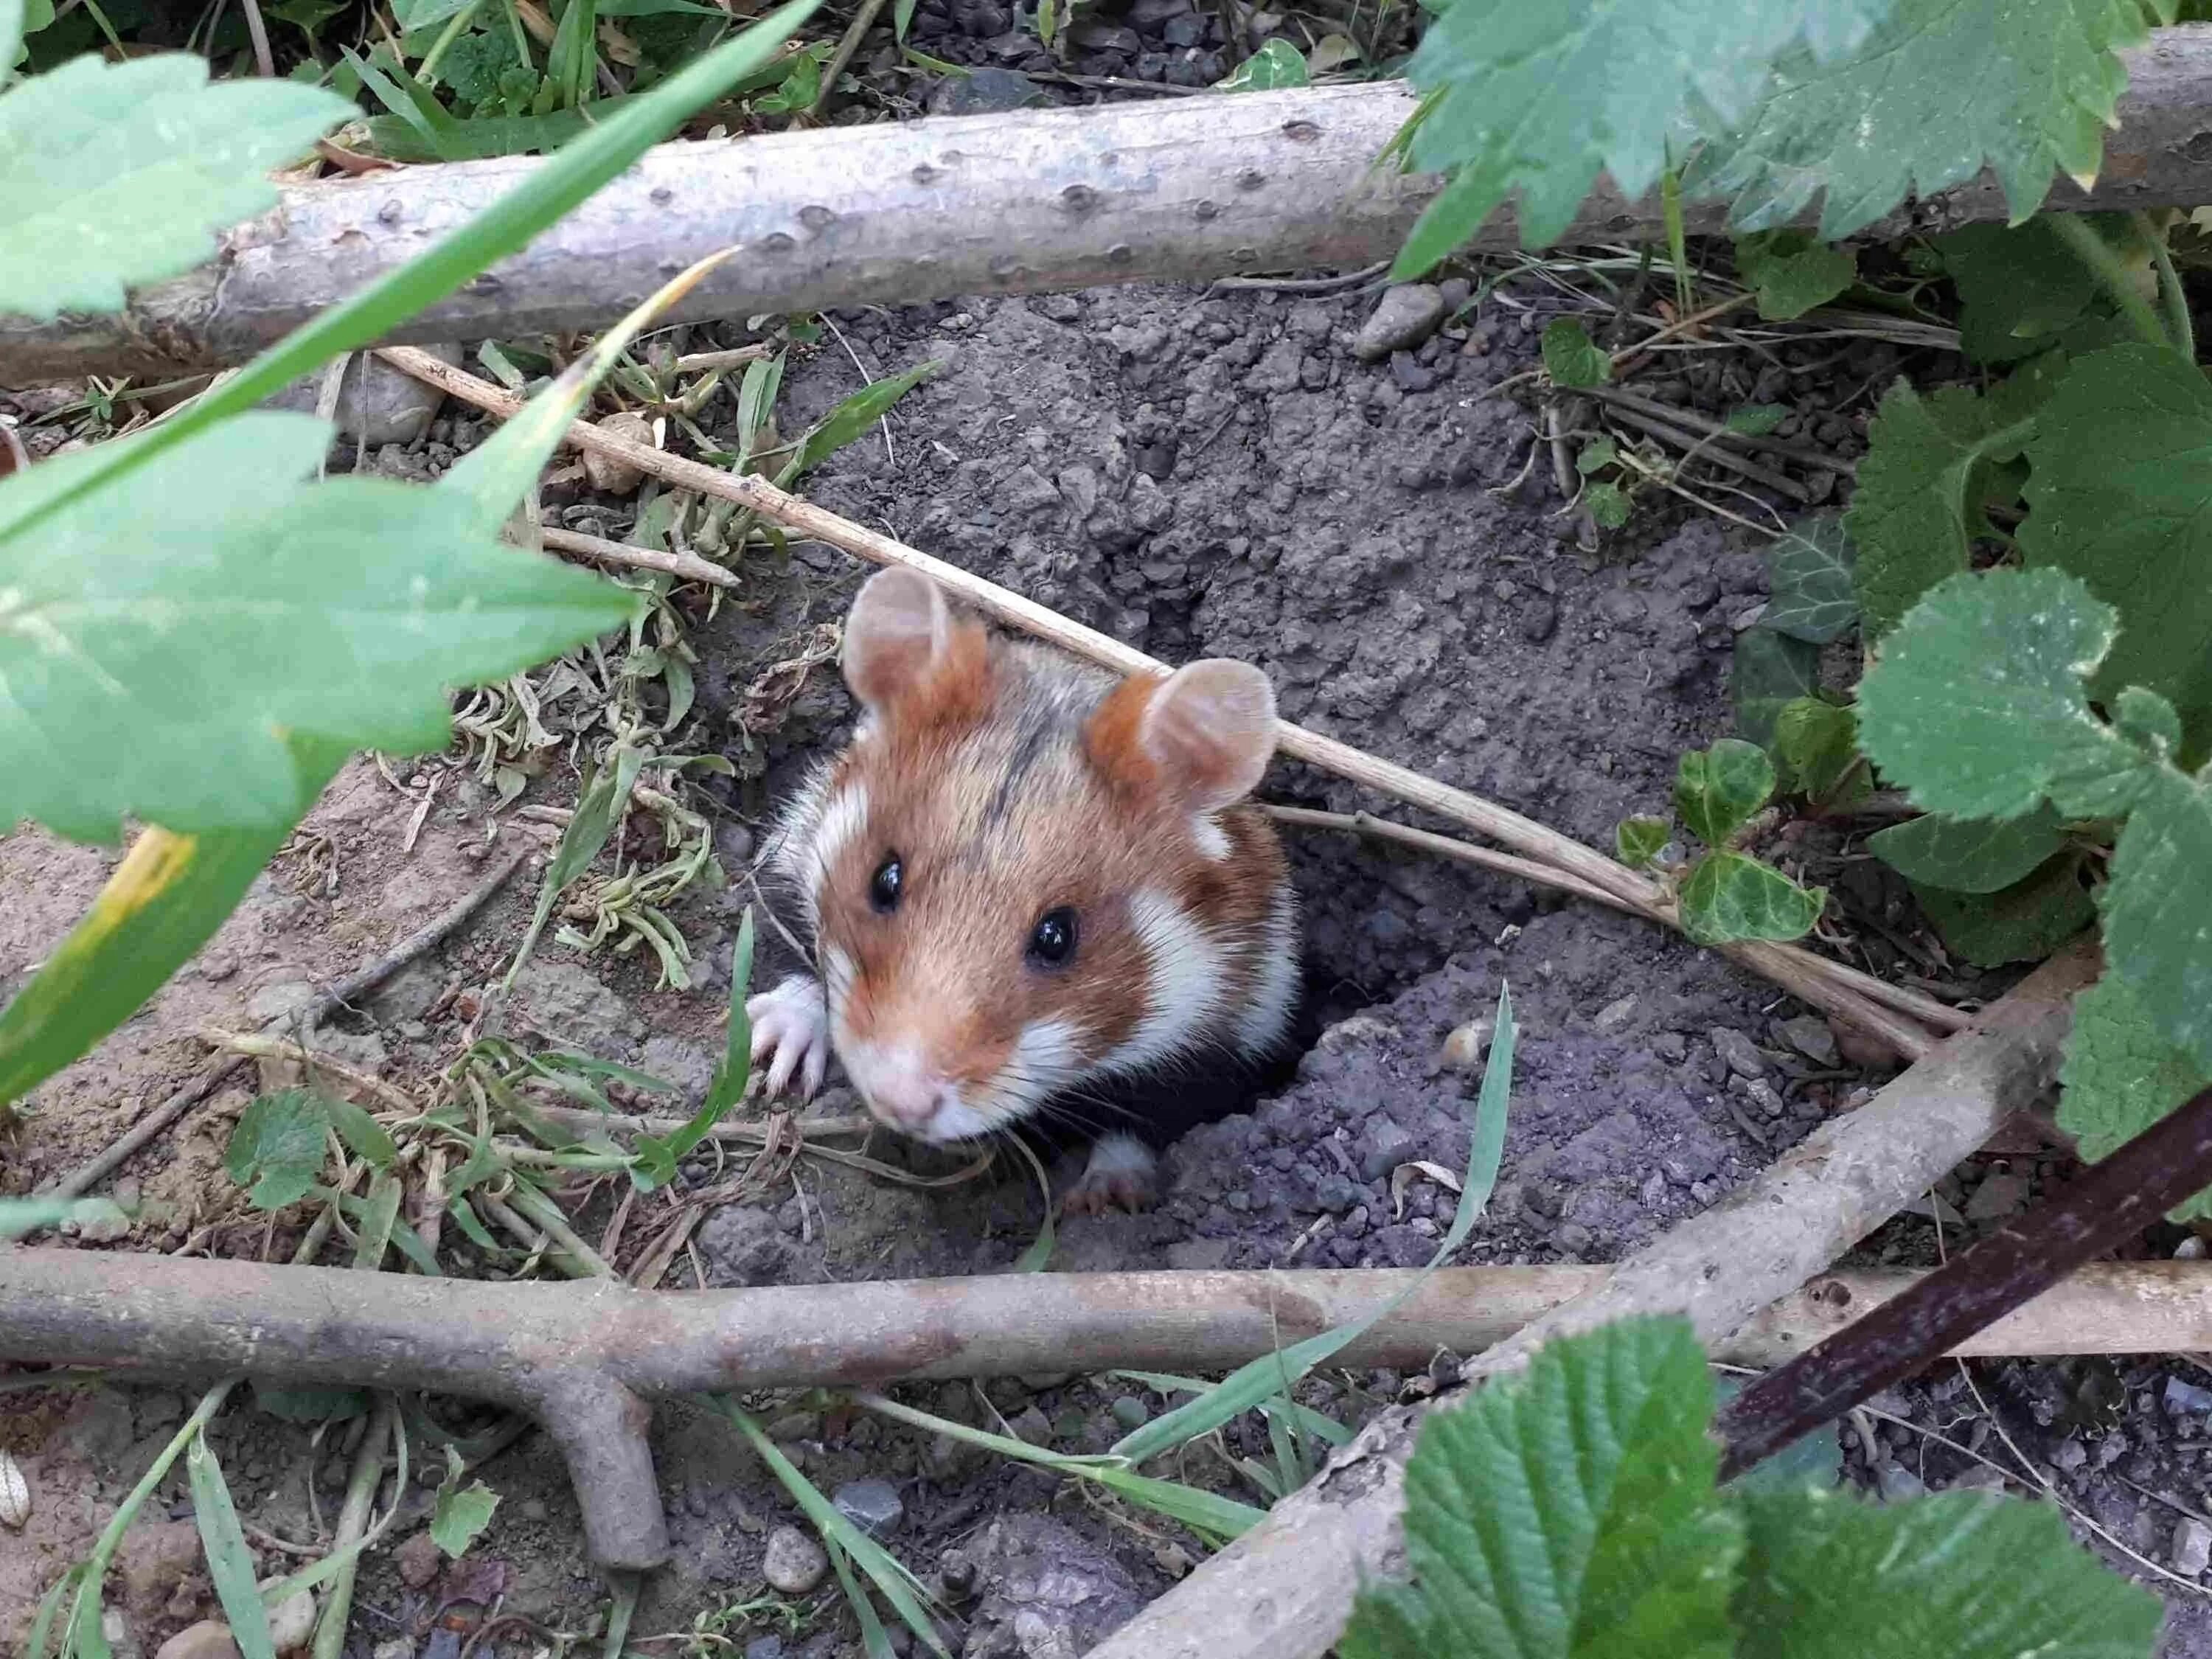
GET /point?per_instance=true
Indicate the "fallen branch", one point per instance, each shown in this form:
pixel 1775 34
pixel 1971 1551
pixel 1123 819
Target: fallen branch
pixel 1283 1589
pixel 582 1357
pixel 899 213
pixel 1865 1003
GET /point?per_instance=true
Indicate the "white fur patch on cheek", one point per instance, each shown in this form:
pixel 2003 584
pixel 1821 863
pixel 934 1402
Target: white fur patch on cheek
pixel 1213 839
pixel 838 972
pixel 844 816
pixel 1186 973
pixel 1046 1057
pixel 1274 978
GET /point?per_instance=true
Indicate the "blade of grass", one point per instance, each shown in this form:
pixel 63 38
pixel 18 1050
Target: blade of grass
pixel 889 1574
pixel 230 1564
pixel 1310 1420
pixel 1265 1377
pixel 852 419
pixel 620 1612
pixel 657 1158
pixel 1202 1511
pixel 606 792
pixel 507 226
pixel 875 1641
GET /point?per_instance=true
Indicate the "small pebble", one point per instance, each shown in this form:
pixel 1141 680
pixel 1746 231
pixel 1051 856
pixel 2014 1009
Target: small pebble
pixel 1896 1483
pixel 1999 1195
pixel 794 1563
pixel 2069 1454
pixel 1463 1050
pixel 1809 1034
pixel 609 474
pixel 874 1506
pixel 417 1560
pixel 291 1621
pixel 765 1647
pixel 2193 1546
pixel 398 1648
pixel 1129 1412
pixel 1616 1014
pixel 1738 1051
pixel 1406 316
pixel 208 1639
pixel 2184 1398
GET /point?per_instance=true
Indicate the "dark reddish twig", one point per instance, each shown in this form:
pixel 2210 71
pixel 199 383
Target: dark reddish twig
pixel 2110 1204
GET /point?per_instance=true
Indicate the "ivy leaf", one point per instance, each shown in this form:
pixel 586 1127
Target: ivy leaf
pixel 1542 97
pixel 1639 840
pixel 1976 706
pixel 1599 1458
pixel 1717 789
pixel 1731 896
pixel 1970 1576
pixel 1810 593
pixel 1572 358
pixel 1817 743
pixel 2120 498
pixel 116 174
pixel 1770 672
pixel 276 1148
pixel 1909 517
pixel 182 629
pixel 2025 922
pixel 1277 63
pixel 1969 856
pixel 1937 90
pixel 2120 1076
pixel 1793 271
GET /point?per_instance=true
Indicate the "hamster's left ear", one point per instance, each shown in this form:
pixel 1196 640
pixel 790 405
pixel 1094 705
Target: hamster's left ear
pixel 1203 735
pixel 908 658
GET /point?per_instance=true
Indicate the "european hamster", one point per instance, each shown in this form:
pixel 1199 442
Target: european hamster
pixel 1036 894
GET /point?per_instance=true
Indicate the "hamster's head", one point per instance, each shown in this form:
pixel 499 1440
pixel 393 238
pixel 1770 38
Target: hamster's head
pixel 1023 879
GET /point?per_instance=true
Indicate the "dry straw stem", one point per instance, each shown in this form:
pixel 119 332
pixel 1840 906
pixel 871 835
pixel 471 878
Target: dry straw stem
pixel 1883 1013
pixel 900 212
pixel 685 566
pixel 1282 1591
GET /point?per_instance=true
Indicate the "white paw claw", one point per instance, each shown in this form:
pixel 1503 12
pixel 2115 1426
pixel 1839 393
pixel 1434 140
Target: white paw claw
pixel 791 1029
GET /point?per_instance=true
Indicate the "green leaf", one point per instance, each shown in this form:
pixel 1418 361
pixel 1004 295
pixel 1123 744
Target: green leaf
pixel 2121 493
pixel 11 35
pixel 276 1148
pixel 1731 896
pixel 1542 97
pixel 2158 909
pixel 2019 287
pixel 1757 420
pixel 1596 455
pixel 1816 744
pixel 21 1216
pixel 800 86
pixel 184 627
pixel 162 903
pixel 657 1156
pixel 116 174
pixel 604 798
pixel 1608 505
pixel 1815 1460
pixel 1810 592
pixel 2121 1076
pixel 1567 1514
pixel 1968 1576
pixel 230 1562
pixel 1276 65
pixel 310 1405
pixel 1769 671
pixel 367 1138
pixel 852 419
pixel 1572 358
pixel 1937 90
pixel 1639 841
pixel 1793 271
pixel 1969 856
pixel 461 1513
pixel 2025 922
pixel 1910 516
pixel 1717 789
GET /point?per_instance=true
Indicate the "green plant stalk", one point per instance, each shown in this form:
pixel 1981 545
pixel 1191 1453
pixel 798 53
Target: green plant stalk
pixel 521 38
pixel 2181 332
pixel 353 1522
pixel 535 1206
pixel 432 59
pixel 2096 254
pixel 1678 243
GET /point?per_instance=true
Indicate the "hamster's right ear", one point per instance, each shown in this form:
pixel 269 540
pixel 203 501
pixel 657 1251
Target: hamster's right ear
pixel 906 653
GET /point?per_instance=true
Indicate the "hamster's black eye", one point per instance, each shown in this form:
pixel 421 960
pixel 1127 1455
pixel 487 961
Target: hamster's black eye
pixel 886 885
pixel 1052 941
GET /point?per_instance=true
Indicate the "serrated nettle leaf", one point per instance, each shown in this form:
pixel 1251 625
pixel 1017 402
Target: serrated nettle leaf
pixel 277 1147
pixel 1811 596
pixel 2023 923
pixel 1909 517
pixel 1969 856
pixel 1541 98
pixel 1717 789
pixel 1639 840
pixel 1572 358
pixel 1769 671
pixel 1793 271
pixel 1938 89
pixel 1816 742
pixel 1730 897
pixel 1969 1576
pixel 2157 907
pixel 185 626
pixel 1568 1513
pixel 2121 1075
pixel 116 174
pixel 1608 505
pixel 2121 497
pixel 1976 706
pixel 2019 286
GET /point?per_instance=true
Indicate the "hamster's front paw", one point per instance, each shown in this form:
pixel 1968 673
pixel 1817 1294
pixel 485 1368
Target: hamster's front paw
pixel 791 1029
pixel 1120 1176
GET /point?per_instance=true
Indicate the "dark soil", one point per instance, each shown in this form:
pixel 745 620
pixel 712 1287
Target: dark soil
pixel 1196 476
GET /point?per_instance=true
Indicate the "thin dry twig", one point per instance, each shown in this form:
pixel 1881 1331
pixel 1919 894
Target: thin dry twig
pixel 685 566
pixel 1816 986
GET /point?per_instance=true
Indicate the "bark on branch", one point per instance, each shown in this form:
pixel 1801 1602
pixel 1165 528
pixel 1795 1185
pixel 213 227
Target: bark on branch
pixel 894 214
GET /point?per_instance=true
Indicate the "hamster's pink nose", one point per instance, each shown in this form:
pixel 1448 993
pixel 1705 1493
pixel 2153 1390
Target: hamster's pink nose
pixel 909 1099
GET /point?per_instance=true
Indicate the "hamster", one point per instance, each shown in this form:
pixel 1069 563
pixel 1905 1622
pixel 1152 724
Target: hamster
pixel 1037 897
